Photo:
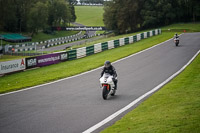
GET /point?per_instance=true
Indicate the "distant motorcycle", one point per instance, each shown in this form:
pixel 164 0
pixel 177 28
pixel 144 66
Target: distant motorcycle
pixel 176 41
pixel 107 86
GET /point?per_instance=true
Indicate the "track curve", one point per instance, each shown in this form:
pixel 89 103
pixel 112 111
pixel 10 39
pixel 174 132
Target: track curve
pixel 75 104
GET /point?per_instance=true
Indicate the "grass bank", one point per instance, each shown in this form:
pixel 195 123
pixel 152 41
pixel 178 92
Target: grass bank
pixel 50 73
pixel 89 15
pixel 42 36
pixel 188 27
pixel 10 57
pixel 175 108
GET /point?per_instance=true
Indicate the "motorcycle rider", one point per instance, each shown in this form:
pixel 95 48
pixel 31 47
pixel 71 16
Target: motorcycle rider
pixel 176 37
pixel 108 68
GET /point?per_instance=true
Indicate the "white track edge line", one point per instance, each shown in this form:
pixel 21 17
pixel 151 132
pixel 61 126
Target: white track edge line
pixel 83 72
pixel 95 127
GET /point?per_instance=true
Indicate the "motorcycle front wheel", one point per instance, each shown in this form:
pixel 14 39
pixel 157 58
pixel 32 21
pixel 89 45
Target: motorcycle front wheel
pixel 105 92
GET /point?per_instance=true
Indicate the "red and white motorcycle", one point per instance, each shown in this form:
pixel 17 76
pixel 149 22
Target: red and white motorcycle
pixel 107 85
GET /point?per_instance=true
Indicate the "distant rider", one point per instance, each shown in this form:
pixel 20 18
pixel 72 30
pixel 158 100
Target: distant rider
pixel 108 68
pixel 176 37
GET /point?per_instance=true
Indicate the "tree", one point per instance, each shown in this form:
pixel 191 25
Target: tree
pixel 59 13
pixel 72 9
pixel 38 17
pixel 122 16
pixel 73 14
pixel 132 15
pixel 22 15
pixel 109 17
pixel 8 22
pixel 158 13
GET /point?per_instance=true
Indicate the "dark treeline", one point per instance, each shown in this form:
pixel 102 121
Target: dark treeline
pixel 124 16
pixel 34 15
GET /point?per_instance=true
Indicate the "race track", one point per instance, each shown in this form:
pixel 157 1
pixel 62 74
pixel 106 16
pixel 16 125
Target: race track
pixel 75 104
pixel 63 46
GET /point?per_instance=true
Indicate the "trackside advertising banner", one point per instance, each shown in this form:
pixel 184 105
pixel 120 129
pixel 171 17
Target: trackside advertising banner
pixel 49 59
pixel 12 66
pixel 31 62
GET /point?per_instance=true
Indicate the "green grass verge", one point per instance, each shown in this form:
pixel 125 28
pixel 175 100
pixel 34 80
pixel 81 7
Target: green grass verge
pixel 10 57
pixel 100 32
pixel 175 108
pixel 42 36
pixel 50 73
pixel 189 27
pixel 90 15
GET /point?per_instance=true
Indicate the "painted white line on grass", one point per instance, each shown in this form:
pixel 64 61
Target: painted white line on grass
pixel 83 72
pixel 111 117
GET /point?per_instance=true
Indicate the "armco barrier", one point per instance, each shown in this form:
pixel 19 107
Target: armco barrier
pixel 116 43
pixel 121 41
pixel 138 37
pixel 104 46
pixel 135 38
pixel 130 39
pixel 81 52
pixel 44 60
pixel 111 44
pixel 142 35
pixel 72 54
pixel 153 32
pixel 148 34
pixel 126 40
pixel 145 34
pixel 85 51
pixel 90 50
pixel 97 48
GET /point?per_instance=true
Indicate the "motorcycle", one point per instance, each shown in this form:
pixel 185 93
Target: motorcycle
pixel 107 85
pixel 176 41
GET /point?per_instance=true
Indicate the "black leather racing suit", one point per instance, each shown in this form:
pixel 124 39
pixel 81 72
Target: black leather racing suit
pixel 111 70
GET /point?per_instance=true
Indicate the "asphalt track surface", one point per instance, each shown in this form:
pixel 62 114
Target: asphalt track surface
pixel 75 104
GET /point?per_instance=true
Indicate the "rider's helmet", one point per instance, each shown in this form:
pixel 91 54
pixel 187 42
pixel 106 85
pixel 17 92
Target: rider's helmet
pixel 176 34
pixel 107 64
